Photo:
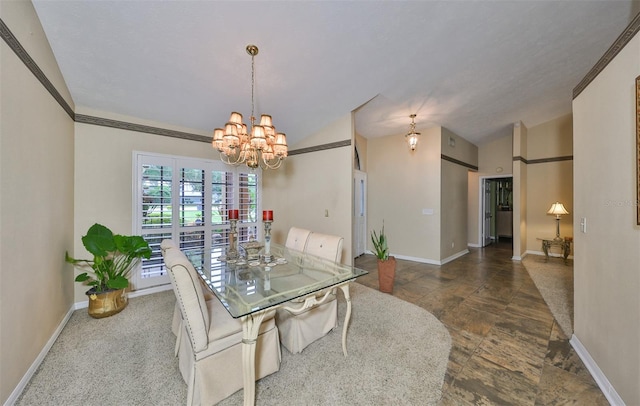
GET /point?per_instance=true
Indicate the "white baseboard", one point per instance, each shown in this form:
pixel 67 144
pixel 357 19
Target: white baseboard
pixel 150 291
pixel 474 245
pixel 433 261
pixel 17 391
pixel 454 256
pixel 551 254
pixel 416 259
pixel 597 374
pixel 409 258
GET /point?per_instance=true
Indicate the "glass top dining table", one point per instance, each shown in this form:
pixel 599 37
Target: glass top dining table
pixel 245 286
pixel 251 287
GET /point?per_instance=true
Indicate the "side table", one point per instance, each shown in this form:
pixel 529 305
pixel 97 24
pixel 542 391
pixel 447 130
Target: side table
pixel 564 244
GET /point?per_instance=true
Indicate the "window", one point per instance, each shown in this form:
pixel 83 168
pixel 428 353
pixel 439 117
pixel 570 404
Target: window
pixel 187 200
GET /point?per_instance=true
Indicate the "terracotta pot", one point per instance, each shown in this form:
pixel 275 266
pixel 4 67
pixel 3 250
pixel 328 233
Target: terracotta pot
pixel 108 303
pixel 386 274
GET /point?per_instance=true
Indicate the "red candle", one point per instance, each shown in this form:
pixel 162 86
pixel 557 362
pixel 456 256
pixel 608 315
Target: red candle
pixel 233 214
pixel 267 215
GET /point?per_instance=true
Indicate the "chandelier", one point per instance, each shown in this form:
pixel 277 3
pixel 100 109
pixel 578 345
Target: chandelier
pixel 412 135
pixel 261 146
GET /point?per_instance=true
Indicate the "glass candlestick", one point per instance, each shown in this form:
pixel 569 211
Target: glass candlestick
pixel 267 241
pixel 232 252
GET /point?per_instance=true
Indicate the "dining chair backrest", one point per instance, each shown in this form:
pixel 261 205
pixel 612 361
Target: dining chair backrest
pixel 168 244
pixel 189 295
pixel 297 238
pixel 325 246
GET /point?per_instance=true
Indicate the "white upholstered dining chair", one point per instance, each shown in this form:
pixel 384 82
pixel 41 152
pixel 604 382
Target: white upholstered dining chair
pixel 176 322
pixel 298 330
pixel 210 352
pixel 297 238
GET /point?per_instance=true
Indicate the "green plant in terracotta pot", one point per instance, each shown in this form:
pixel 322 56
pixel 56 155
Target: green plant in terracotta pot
pixel 386 263
pixel 114 256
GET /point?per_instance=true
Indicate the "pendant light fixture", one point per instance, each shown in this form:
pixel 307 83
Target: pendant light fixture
pixel 261 146
pixel 412 135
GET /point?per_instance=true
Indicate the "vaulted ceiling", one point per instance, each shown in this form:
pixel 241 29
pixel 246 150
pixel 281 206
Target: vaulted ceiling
pixel 474 67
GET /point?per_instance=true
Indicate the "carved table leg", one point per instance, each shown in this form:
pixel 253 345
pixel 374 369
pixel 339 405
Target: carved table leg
pixel 545 248
pixel 250 327
pixel 347 317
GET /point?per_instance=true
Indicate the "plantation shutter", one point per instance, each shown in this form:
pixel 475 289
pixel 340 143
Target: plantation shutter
pixel 188 200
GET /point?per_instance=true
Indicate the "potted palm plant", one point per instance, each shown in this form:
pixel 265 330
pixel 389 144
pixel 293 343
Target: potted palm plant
pixel 114 256
pixel 386 263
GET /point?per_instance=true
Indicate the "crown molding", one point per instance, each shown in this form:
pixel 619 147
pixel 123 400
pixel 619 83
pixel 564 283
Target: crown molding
pixel 622 40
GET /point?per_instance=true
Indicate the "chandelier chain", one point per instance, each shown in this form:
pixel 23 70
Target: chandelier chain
pixel 253 75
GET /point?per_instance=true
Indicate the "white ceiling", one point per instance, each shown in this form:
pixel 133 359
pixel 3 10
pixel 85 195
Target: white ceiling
pixel 474 67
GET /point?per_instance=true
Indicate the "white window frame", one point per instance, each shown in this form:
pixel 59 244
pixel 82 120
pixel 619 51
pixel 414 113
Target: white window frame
pixel 141 158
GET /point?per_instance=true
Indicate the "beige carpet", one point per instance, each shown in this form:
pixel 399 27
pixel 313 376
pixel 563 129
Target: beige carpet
pixel 554 280
pixel 398 354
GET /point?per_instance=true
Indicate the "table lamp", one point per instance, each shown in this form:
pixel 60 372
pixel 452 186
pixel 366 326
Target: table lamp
pixel 557 209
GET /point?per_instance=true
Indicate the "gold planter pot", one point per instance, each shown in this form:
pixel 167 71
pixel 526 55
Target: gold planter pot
pixel 108 303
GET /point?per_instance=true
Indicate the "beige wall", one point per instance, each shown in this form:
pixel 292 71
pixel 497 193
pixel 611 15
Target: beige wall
pixel 405 186
pixel 322 181
pixel 401 183
pixel 454 191
pixel 548 182
pixel 103 174
pixel 462 150
pixel 606 265
pixel 473 209
pixel 552 139
pixel 540 183
pixel 495 158
pixel 36 202
pixel 520 171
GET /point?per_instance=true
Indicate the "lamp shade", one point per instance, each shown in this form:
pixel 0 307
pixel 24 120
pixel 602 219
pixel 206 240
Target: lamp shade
pixel 557 209
pixel 230 136
pixel 258 139
pixel 242 130
pixel 236 118
pixel 266 121
pixel 280 145
pixel 218 142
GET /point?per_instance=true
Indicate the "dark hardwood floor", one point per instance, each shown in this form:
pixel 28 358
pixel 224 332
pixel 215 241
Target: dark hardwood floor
pixel 506 347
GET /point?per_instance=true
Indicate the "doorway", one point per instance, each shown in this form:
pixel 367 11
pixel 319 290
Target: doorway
pixel 496 208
